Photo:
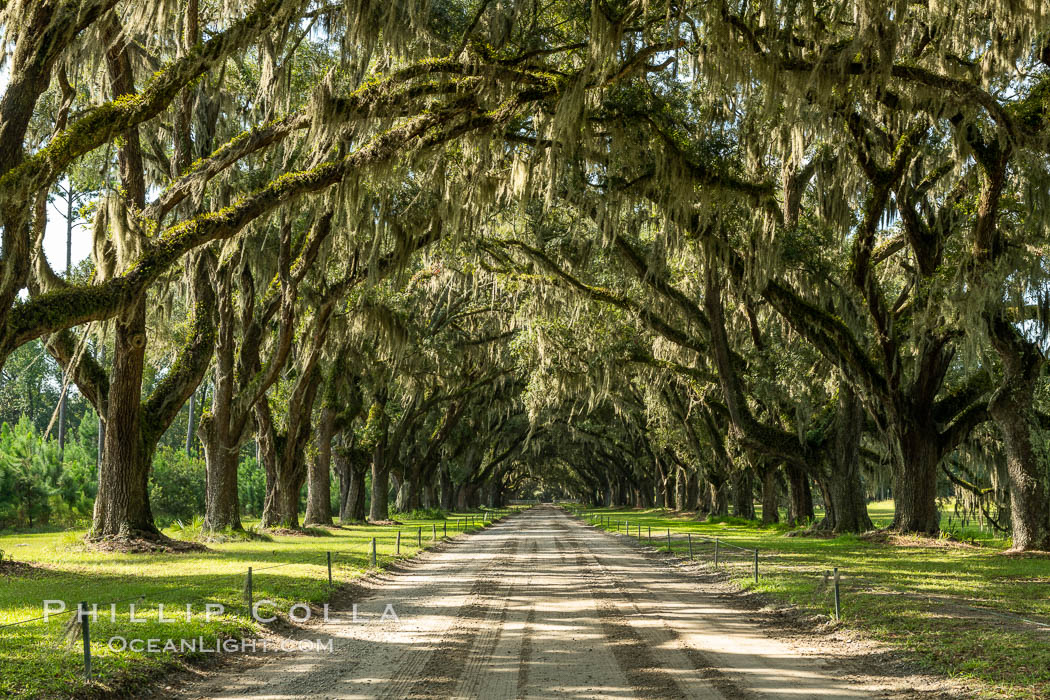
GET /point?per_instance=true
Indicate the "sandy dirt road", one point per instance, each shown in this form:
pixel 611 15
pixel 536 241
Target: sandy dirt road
pixel 542 605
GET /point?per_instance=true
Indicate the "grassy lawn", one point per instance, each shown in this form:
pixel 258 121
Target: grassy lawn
pixel 959 609
pixel 37 661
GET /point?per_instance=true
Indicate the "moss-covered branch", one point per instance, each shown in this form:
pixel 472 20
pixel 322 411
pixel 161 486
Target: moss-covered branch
pixel 182 379
pixel 88 374
pixel 106 122
pixel 74 305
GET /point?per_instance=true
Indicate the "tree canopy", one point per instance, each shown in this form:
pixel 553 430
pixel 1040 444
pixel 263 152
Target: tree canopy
pixel 624 250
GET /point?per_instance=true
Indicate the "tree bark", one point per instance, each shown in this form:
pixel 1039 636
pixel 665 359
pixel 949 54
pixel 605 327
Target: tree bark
pixel 846 508
pixel 680 489
pixel 447 489
pixel 800 497
pixel 284 452
pixel 357 493
pixel 414 485
pixel 380 507
pixel 135 426
pixel 1012 406
pixel 770 497
pixel 915 482
pixel 497 493
pixel 285 499
pixel 319 474
pixel 222 502
pixel 351 468
pixel 221 431
pixel 429 499
pixel 122 505
pixel 743 495
pixel 191 409
pixel 402 489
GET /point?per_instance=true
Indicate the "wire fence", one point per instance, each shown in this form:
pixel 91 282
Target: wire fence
pixel 382 549
pixel 738 562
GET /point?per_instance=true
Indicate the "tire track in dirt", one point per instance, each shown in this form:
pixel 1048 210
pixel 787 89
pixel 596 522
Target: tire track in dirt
pixel 670 637
pixel 525 653
pixel 437 672
pixel 633 652
pixel 568 651
pixel 491 631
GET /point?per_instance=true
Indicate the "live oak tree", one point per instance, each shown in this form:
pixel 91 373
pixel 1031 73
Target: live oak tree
pixel 663 197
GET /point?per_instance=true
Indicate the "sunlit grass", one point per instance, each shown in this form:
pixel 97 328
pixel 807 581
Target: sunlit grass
pixel 36 660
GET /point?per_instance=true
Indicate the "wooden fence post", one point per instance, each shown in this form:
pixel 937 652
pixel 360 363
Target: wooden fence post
pixel 838 615
pixel 248 591
pixel 85 629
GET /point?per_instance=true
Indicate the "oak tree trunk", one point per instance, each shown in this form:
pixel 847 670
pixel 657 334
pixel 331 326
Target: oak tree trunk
pixel 692 490
pixel 447 490
pixel 352 488
pixel 222 504
pixel 429 498
pixel 770 497
pixel 915 482
pixel 845 506
pixel 122 505
pixel 380 507
pixel 743 495
pixel 319 473
pixel 1012 407
pixel 800 497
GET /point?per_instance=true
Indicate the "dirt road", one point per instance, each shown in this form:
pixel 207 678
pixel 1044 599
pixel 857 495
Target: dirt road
pixel 541 605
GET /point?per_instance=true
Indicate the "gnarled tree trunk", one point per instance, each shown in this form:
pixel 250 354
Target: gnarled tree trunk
pixel 380 506
pixel 915 482
pixel 222 503
pixel 319 475
pixel 122 506
pixel 743 495
pixel 351 466
pixel 846 508
pixel 800 497
pixel 1012 407
pixel 770 497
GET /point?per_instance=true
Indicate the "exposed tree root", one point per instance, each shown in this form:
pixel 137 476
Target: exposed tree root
pixel 144 545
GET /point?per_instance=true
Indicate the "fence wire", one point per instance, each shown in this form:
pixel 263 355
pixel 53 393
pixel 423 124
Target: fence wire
pixel 726 556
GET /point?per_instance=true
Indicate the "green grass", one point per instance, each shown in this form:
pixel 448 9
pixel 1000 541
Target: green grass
pixel 37 661
pixel 957 609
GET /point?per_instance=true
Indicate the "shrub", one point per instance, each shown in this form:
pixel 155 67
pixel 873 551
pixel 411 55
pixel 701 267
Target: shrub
pixel 29 468
pixel 422 514
pixel 251 486
pixel 39 484
pixel 176 485
pixel 78 483
pixel 733 520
